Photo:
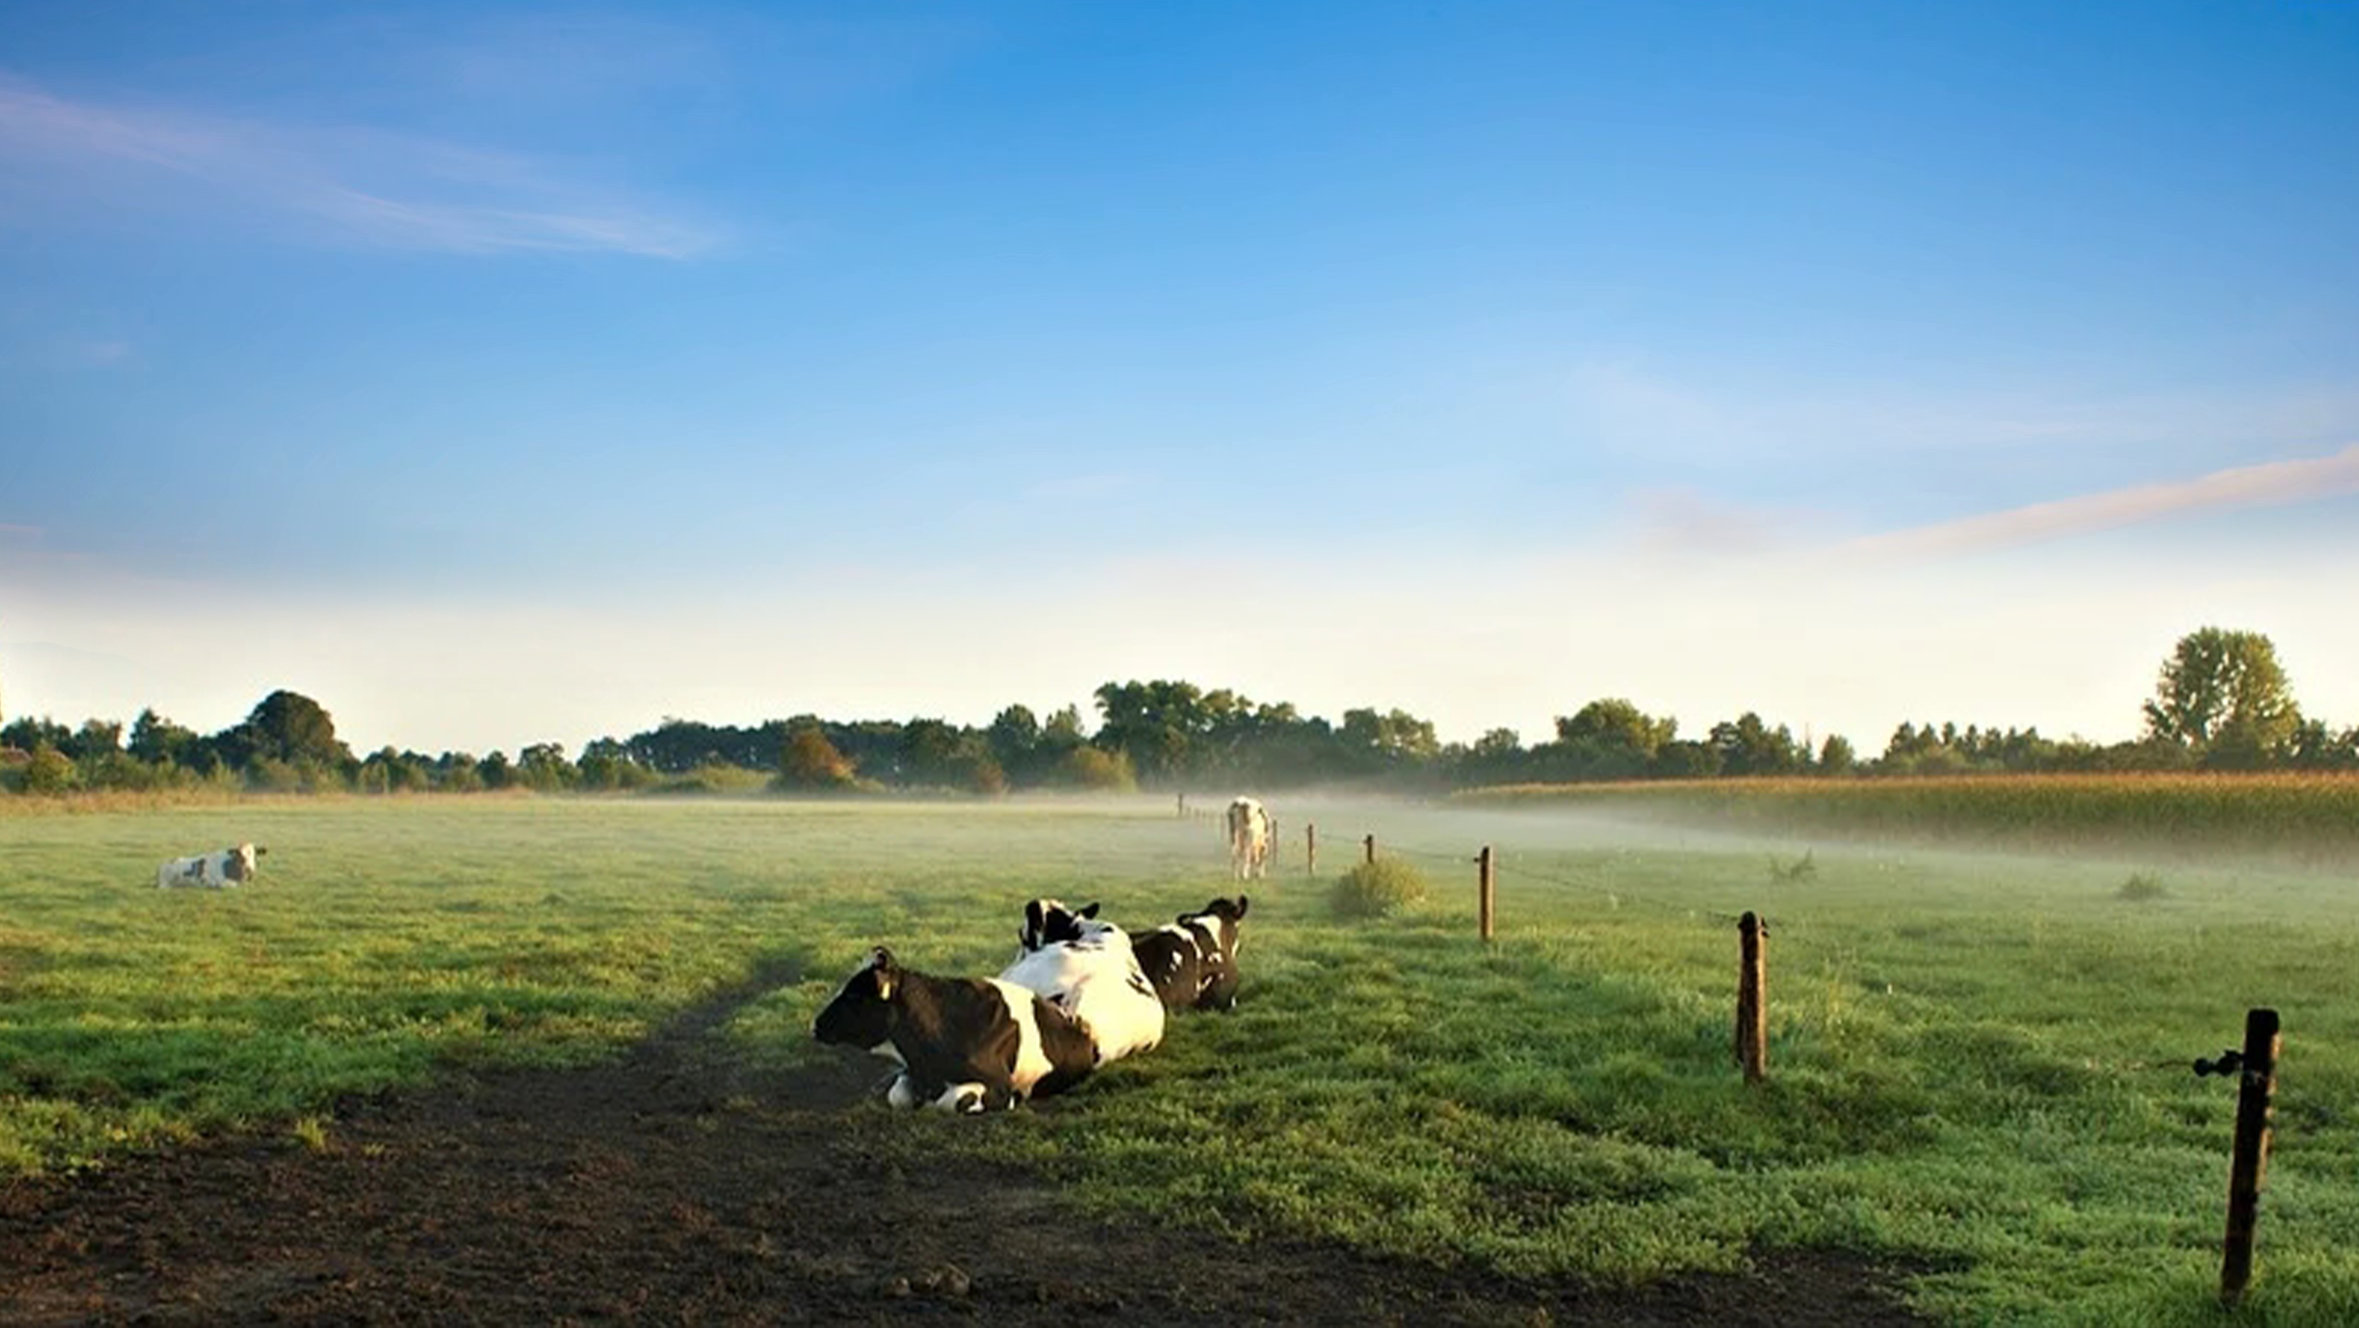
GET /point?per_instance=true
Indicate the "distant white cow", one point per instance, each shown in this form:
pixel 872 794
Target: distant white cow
pixel 212 871
pixel 1251 833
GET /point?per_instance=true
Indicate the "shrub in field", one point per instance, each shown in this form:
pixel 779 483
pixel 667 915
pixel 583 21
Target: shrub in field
pixel 2140 887
pixel 1373 889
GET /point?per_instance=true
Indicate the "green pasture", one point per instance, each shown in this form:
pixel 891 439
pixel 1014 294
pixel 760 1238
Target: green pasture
pixel 1978 1061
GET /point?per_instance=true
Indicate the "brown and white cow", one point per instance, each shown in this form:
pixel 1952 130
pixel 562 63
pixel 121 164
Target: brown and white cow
pixel 1251 836
pixel 965 1045
pixel 212 871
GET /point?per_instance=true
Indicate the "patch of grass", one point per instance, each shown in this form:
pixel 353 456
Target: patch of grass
pixel 1374 889
pixel 2140 887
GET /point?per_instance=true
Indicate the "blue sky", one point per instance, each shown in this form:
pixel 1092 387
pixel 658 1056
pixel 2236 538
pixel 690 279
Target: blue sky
pixel 516 373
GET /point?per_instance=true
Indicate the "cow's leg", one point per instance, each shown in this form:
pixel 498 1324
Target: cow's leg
pixel 903 1094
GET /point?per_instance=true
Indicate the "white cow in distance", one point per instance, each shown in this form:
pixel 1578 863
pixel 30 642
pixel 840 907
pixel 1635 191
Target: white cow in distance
pixel 212 871
pixel 1251 832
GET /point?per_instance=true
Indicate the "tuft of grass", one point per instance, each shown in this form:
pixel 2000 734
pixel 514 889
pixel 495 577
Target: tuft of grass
pixel 313 1131
pixel 2141 886
pixel 1789 873
pixel 1374 889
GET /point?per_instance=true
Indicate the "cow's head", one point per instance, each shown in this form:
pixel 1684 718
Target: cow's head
pixel 1221 917
pixel 1048 922
pixel 238 864
pixel 862 1014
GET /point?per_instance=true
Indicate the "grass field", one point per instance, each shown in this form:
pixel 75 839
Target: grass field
pixel 1978 1062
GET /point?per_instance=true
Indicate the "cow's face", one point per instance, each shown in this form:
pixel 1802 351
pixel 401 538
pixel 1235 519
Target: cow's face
pixel 1048 922
pixel 239 864
pixel 861 1015
pixel 1221 917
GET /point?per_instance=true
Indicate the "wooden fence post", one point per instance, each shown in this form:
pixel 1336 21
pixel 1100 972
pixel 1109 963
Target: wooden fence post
pixel 1183 806
pixel 1487 883
pixel 2249 1164
pixel 1310 848
pixel 1752 1024
pixel 1370 841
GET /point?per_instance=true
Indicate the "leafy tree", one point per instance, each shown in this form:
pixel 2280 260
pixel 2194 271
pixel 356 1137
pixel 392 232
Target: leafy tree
pixel 810 761
pixel 1748 746
pixel 27 734
pixel 1613 725
pixel 157 739
pixel 496 771
pixel 51 771
pixel 542 767
pixel 1835 756
pixel 286 726
pixel 2223 695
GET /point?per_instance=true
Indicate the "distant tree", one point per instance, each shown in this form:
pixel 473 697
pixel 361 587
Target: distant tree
pixel 95 740
pixel 1612 724
pixel 2224 696
pixel 496 771
pixel 157 739
pixel 1748 746
pixel 458 772
pixel 1014 739
pixel 1098 770
pixel 542 767
pixel 289 727
pixel 51 771
pixel 811 762
pixel 27 734
pixel 1835 756
pixel 1685 759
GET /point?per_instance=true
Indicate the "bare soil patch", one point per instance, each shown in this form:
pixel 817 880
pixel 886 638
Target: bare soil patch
pixel 661 1188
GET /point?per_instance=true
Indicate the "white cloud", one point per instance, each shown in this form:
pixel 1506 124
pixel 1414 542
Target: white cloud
pixel 353 184
pixel 2268 484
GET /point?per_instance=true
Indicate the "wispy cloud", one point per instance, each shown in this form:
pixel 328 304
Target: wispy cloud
pixel 2266 485
pixel 356 184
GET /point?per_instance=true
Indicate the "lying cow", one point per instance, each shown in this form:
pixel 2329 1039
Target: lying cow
pixel 1193 963
pixel 212 871
pixel 1085 966
pixel 965 1045
pixel 1251 834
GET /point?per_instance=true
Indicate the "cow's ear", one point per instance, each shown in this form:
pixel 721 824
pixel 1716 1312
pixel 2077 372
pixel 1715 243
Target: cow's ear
pixel 1242 901
pixel 1091 911
pixel 259 850
pixel 881 959
pixel 1034 922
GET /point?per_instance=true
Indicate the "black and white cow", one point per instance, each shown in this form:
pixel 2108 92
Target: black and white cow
pixel 965 1045
pixel 211 871
pixel 1084 965
pixel 1193 962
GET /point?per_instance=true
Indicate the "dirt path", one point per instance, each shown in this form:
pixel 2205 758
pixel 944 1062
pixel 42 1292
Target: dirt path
pixel 661 1189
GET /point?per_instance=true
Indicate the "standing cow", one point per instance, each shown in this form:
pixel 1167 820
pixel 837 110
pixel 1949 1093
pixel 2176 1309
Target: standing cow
pixel 1251 835
pixel 212 871
pixel 965 1045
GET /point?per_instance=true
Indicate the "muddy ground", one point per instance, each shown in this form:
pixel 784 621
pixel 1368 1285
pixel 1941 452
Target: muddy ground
pixel 665 1189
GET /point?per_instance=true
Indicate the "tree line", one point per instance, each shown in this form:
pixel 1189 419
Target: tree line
pixel 2221 702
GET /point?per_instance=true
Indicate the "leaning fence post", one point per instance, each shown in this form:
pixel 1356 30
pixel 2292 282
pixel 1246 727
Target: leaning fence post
pixel 1487 886
pixel 1370 842
pixel 1310 848
pixel 1752 1025
pixel 2249 1164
